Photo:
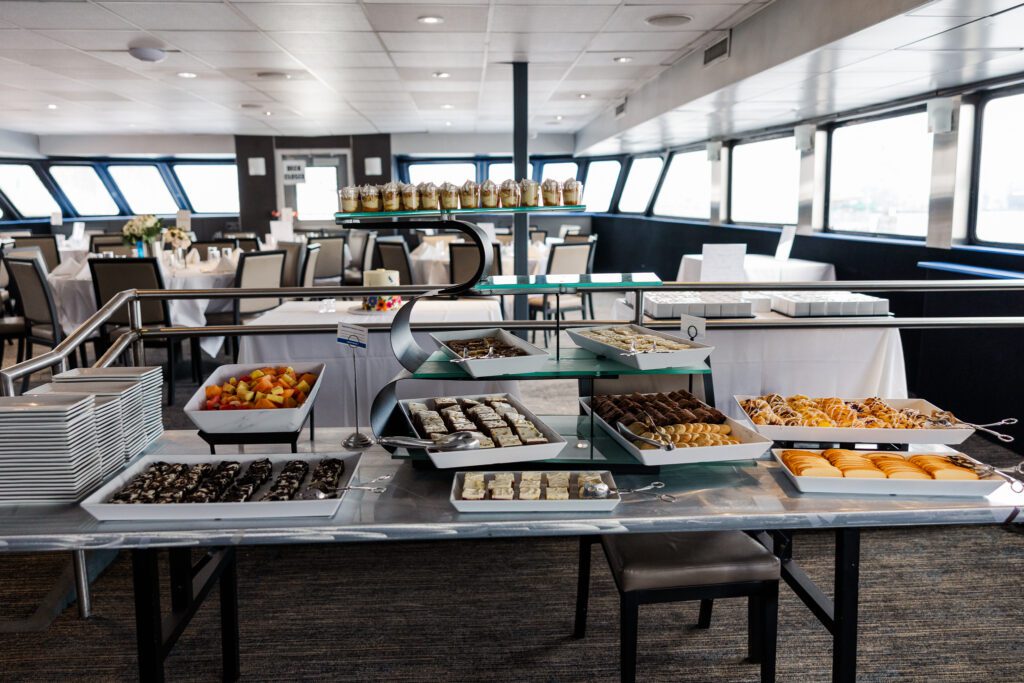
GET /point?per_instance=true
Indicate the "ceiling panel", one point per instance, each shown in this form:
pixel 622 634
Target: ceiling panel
pixel 427 42
pixel 206 16
pixel 80 15
pixel 1003 31
pixel 639 40
pixel 526 45
pixel 394 17
pixel 100 40
pixel 897 32
pixel 551 18
pixel 251 60
pixel 964 8
pixel 219 41
pixel 704 17
pixel 606 59
pixel 349 41
pixel 20 39
pixel 438 59
pixel 302 17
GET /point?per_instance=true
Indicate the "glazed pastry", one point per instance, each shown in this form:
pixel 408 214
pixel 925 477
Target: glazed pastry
pixel 510 194
pixel 572 192
pixel 473 494
pixel 558 479
pixel 872 413
pixel 556 493
pixel 369 195
pixel 529 493
pixel 449 196
pixel 473 480
pixel 502 493
pixel 529 193
pixel 628 339
pixel 469 195
pixel 429 196
pixel 551 190
pixel 489 194
pixel 410 197
pixel 391 197
pixel 349 197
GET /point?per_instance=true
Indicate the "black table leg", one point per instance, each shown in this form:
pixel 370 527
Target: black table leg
pixel 844 633
pixel 229 621
pixel 148 622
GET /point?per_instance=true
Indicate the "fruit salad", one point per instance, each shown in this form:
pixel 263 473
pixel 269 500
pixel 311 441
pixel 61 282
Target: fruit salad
pixel 262 389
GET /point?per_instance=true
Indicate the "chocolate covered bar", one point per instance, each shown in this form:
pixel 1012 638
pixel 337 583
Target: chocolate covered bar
pixel 288 481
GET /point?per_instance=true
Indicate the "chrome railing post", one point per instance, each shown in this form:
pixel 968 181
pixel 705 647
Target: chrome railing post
pixel 135 323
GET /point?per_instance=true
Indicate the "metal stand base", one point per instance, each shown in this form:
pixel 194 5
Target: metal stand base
pixel 357 441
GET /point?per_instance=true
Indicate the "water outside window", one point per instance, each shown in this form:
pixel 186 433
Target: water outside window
pixel 144 189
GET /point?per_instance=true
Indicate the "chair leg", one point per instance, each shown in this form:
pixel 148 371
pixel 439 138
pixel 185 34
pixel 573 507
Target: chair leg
pixel 84 355
pixel 704 617
pixel 583 588
pixel 172 361
pixel 770 625
pixel 197 360
pixel 28 354
pixel 21 349
pixel 629 614
pixel 755 628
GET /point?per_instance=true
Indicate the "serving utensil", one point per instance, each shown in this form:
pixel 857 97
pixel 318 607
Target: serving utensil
pixel 625 431
pixel 602 490
pixel 456 441
pixel 983 470
pixel 948 419
pixel 466 357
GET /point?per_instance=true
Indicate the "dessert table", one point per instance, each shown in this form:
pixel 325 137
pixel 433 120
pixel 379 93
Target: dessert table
pixel 377 364
pixel 749 496
pixel 431 265
pixel 75 300
pixel 853 362
pixel 763 268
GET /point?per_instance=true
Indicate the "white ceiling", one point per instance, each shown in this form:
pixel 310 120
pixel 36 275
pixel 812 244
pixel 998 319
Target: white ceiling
pixel 355 67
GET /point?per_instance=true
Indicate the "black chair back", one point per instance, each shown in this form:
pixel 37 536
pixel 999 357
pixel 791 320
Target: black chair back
pixel 203 247
pixel 47 245
pixel 33 294
pixel 393 254
pixel 111 276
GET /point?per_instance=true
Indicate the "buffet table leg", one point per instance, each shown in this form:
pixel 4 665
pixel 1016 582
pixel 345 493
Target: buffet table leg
pixel 81 564
pixel 844 634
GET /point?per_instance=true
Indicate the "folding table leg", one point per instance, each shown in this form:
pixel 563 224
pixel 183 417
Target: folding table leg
pixel 847 577
pixel 148 621
pixel 229 620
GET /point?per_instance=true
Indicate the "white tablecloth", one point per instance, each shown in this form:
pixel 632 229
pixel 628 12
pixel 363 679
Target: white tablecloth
pixel 850 363
pixel 762 268
pixel 376 365
pixel 76 300
pixel 431 266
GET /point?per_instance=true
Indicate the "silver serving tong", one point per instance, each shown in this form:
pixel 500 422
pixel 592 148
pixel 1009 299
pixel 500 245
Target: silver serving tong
pixel 456 441
pixel 465 356
pixel 983 470
pixel 1005 438
pixel 649 490
pixel 625 431
pixel 313 493
pixel 633 351
pixel 602 490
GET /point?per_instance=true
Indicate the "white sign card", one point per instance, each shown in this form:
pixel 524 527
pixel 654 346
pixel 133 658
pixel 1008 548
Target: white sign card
pixel 78 231
pixel 281 231
pixel 287 215
pixel 785 245
pixel 56 218
pixel 373 166
pixel 257 166
pixel 355 336
pixel 692 327
pixel 293 171
pixel 723 263
pixel 184 220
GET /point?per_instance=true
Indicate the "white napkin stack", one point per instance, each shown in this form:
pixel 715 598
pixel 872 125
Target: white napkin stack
pixel 192 258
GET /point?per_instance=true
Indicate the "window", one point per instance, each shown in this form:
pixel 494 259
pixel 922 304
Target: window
pixel 1000 184
pixel 317 198
pixel 456 172
pixel 560 170
pixel 880 179
pixel 83 187
pixel 211 188
pixel 643 176
pixel 144 189
pixel 686 191
pixel 765 181
pixel 27 193
pixel 500 171
pixel 600 185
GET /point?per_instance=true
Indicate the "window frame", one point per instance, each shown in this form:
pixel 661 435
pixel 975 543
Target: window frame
pixel 738 142
pixel 672 152
pixel 624 177
pixel 58 196
pixel 172 164
pixel 620 180
pixel 108 184
pixel 830 129
pixel 162 167
pixel 981 102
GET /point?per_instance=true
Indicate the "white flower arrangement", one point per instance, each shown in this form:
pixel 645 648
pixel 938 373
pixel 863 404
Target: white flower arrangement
pixel 176 238
pixel 141 229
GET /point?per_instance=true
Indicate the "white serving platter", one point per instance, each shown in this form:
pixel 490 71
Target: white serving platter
pixel 752 445
pixel 891 487
pixel 97 506
pixel 252 421
pixel 687 358
pixel 493 456
pixel 826 435
pixel 533 361
pixel 574 504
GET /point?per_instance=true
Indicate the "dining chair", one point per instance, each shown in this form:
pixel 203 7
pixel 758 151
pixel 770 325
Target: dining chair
pixel 330 265
pixel 577 238
pixel 47 245
pixel 357 243
pixel 309 265
pixel 294 253
pixel 464 259
pixel 256 270
pixel 100 243
pixel 538 236
pixel 238 235
pixel 204 246
pixel 112 276
pixel 248 244
pixel 563 259
pixel 393 254
pixel 569 229
pixel 442 238
pixel 507 239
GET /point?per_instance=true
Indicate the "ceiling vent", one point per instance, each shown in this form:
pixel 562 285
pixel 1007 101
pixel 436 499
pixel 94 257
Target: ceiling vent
pixel 718 51
pixel 620 109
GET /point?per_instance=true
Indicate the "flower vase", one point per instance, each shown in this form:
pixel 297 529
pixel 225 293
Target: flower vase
pixel 179 257
pixel 140 249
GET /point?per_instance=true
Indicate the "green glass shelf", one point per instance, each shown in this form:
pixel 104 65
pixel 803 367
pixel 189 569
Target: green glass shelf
pixel 566 282
pixel 456 212
pixel 575 363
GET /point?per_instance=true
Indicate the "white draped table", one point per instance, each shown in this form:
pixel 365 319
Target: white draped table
pixel 376 365
pixel 431 264
pixel 763 268
pixel 849 362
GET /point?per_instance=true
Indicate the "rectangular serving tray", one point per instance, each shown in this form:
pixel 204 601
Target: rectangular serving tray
pixel 890 487
pixel 533 361
pixel 96 506
pixel 252 421
pixel 574 504
pixel 951 436
pixel 493 456
pixel 751 446
pixel 686 358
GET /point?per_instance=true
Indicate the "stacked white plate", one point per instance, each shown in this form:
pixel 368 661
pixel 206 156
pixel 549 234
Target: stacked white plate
pixel 152 379
pixel 130 395
pixel 109 433
pixel 48 450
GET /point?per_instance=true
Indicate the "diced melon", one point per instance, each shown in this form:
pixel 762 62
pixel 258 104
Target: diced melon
pixel 302 386
pixel 290 402
pixel 260 395
pixel 263 404
pixel 256 374
pixel 246 395
pixel 287 380
pixel 275 398
pixel 213 391
pixel 277 391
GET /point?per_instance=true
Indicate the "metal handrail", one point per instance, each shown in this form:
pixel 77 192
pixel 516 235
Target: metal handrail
pixel 133 298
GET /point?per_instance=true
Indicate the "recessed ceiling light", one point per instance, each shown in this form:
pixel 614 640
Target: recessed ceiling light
pixel 447 106
pixel 51 106
pixel 559 117
pixel 268 113
pixel 447 123
pixel 431 19
pixel 583 95
pixel 186 74
pixel 441 74
pixel 622 60
pixel 668 20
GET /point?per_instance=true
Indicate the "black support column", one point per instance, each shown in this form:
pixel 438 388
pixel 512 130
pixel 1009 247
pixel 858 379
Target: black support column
pixel 520 159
